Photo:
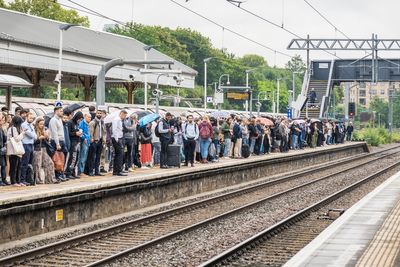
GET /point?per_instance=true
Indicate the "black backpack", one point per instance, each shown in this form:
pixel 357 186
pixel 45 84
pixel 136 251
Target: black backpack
pixel 156 132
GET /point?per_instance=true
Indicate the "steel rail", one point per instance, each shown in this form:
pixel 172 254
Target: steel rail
pixel 108 231
pixel 231 254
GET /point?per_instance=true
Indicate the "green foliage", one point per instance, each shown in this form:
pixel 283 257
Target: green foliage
pixel 158 36
pixel 296 64
pixel 47 9
pixel 191 48
pixel 380 107
pixel 375 136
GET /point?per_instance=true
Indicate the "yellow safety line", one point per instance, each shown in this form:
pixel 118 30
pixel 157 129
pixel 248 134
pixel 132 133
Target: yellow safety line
pixel 385 246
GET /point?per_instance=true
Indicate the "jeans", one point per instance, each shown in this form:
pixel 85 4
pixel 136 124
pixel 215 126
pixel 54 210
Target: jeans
pixel 328 139
pixel 252 144
pixel 83 157
pixel 25 161
pixel 204 145
pixel 95 151
pixel 217 148
pixel 15 169
pixel 295 141
pixel 156 153
pixel 245 141
pixel 349 136
pixel 227 143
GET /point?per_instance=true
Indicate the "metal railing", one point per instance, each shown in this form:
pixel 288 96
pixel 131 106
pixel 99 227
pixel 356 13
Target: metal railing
pixel 325 98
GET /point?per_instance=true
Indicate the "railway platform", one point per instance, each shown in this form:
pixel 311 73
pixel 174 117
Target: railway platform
pixel 30 211
pixel 367 234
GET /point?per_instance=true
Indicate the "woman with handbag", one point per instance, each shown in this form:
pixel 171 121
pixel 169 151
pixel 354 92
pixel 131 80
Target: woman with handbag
pixel 145 147
pixel 41 158
pixel 15 149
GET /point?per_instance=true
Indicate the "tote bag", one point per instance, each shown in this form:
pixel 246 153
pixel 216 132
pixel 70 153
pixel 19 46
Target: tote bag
pixel 15 147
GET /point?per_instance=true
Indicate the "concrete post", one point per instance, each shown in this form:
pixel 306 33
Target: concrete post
pixel 35 80
pixel 101 79
pixel 8 97
pixel 130 87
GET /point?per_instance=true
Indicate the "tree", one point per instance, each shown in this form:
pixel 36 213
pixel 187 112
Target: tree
pixel 47 9
pixel 296 63
pixel 161 37
pixel 253 61
pixel 381 107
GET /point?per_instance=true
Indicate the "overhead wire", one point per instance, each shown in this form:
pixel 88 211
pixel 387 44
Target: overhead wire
pixel 97 14
pixel 273 23
pixel 326 19
pixel 230 30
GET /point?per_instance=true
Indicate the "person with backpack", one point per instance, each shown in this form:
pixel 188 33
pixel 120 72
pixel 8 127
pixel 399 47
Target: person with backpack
pixel 190 135
pixel 205 133
pixel 226 131
pixel 237 138
pixel 164 131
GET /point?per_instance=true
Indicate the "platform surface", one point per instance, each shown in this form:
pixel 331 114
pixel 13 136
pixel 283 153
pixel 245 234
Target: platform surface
pixel 9 194
pixel 367 234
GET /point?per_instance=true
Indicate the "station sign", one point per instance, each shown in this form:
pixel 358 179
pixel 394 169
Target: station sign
pixel 237 95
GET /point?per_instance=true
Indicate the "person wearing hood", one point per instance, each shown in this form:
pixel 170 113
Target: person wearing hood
pixel 85 143
pixel 75 135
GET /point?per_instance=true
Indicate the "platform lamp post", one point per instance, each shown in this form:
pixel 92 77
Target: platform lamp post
pixel 62 28
pixel 258 104
pixel 277 94
pixel 220 83
pixel 206 60
pixel 146 49
pixel 249 108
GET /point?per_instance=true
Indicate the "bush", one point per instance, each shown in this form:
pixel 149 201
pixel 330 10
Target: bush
pixel 376 136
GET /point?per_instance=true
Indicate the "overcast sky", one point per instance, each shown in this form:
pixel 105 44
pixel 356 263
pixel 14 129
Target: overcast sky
pixel 356 18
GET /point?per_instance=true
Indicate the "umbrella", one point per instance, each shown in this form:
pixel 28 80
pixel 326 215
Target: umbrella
pixel 299 121
pixel 148 119
pixel 112 116
pixel 141 113
pixel 314 120
pixel 265 121
pixel 220 114
pixel 74 107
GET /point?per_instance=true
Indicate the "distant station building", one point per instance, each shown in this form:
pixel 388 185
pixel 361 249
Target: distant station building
pixel 363 93
pixel 29 48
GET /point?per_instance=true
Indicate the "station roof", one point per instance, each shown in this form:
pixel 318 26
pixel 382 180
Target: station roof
pixel 13 81
pixel 31 41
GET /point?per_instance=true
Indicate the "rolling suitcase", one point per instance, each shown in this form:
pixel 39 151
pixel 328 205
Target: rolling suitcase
pixel 245 151
pixel 174 156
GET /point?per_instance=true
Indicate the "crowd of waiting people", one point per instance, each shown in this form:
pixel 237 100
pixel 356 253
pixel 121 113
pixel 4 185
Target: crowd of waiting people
pixel 91 147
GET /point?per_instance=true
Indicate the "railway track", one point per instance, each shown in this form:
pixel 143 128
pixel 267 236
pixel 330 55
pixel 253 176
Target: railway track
pixel 276 244
pixel 105 245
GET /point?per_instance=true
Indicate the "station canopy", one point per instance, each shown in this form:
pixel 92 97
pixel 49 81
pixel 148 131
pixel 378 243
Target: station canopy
pixel 32 42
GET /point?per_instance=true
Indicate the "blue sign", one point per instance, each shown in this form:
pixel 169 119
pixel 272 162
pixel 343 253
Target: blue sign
pixel 58 104
pixel 289 113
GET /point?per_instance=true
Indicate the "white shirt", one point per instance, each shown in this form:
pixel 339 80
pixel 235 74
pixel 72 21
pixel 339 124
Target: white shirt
pixel 117 132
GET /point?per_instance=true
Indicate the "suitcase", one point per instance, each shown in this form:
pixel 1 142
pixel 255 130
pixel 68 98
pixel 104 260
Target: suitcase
pixel 174 156
pixel 245 151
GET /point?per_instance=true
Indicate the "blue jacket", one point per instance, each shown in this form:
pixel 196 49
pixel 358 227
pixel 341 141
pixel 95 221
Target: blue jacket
pixel 85 131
